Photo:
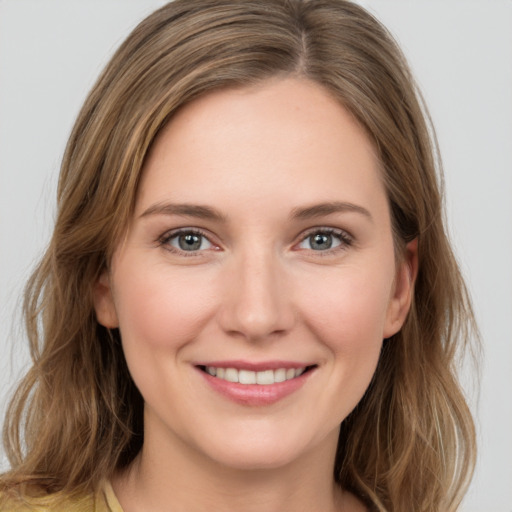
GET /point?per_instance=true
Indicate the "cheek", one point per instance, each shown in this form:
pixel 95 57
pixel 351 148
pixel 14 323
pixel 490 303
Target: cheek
pixel 159 315
pixel 348 316
pixel 350 308
pixel 348 320
pixel 159 309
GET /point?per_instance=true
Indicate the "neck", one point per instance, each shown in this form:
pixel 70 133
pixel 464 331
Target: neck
pixel 173 476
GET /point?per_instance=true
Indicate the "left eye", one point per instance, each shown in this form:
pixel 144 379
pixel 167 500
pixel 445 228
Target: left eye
pixel 189 242
pixel 322 241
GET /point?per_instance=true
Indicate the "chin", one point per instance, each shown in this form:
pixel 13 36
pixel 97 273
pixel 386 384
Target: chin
pixel 253 459
pixel 263 450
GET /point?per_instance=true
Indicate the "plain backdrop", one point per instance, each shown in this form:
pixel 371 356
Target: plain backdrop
pixel 461 52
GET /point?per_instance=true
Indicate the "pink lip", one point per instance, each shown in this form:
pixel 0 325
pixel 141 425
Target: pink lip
pixel 255 367
pixel 255 394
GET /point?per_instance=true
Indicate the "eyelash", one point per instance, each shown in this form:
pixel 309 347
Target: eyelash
pixel 345 239
pixel 164 240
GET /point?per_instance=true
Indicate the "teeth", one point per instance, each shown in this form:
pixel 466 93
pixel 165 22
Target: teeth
pixel 246 377
pixel 231 375
pixel 280 375
pixel 265 377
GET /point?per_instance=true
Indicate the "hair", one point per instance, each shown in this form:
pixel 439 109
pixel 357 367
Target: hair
pixel 76 418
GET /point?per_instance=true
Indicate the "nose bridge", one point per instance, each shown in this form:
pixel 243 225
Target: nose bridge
pixel 257 304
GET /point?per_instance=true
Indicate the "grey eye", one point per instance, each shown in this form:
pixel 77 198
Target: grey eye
pixel 190 242
pixel 320 241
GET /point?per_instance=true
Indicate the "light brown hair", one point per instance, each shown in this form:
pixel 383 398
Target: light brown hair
pixel 77 415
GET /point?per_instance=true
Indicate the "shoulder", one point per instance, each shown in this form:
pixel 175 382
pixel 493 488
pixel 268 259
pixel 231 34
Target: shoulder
pixel 47 504
pixel 98 502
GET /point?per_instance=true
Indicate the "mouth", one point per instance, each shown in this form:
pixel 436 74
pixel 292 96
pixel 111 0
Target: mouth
pixel 266 377
pixel 255 384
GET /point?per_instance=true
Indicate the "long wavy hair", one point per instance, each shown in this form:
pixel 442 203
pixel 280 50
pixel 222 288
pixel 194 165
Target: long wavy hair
pixel 76 418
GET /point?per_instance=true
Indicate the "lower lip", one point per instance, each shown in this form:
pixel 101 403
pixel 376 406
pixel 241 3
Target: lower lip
pixel 255 394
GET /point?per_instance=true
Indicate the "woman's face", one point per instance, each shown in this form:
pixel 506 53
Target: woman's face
pixel 260 251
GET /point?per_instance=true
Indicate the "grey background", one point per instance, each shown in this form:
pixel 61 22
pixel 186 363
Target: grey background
pixel 461 51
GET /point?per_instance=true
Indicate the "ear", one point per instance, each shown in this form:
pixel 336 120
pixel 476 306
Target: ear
pixel 403 290
pixel 104 302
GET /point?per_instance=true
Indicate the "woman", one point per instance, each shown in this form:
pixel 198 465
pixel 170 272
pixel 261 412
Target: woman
pixel 249 301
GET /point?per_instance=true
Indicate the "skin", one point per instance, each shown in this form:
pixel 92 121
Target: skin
pixel 256 290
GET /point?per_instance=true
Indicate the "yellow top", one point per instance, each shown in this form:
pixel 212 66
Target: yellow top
pixel 103 501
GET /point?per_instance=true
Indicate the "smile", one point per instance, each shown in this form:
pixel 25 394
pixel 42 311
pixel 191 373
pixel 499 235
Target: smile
pixel 255 384
pixel 265 377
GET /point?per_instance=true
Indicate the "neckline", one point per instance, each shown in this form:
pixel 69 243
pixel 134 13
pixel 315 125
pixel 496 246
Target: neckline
pixel 110 497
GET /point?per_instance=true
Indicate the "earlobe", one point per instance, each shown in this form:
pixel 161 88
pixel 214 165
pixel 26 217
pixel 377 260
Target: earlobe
pixel 403 291
pixel 104 302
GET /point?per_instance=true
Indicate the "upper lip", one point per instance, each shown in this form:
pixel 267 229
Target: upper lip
pixel 255 366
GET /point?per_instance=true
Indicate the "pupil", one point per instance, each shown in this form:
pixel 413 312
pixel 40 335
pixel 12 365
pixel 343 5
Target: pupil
pixel 321 241
pixel 189 242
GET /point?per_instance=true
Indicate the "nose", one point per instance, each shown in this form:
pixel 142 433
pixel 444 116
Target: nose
pixel 256 304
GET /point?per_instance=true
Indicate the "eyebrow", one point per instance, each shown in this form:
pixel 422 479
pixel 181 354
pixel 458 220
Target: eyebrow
pixel 209 213
pixel 319 210
pixel 188 210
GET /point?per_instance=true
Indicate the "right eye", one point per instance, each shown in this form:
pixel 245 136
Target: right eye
pixel 186 241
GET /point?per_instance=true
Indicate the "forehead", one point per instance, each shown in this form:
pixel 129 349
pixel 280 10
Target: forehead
pixel 289 136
